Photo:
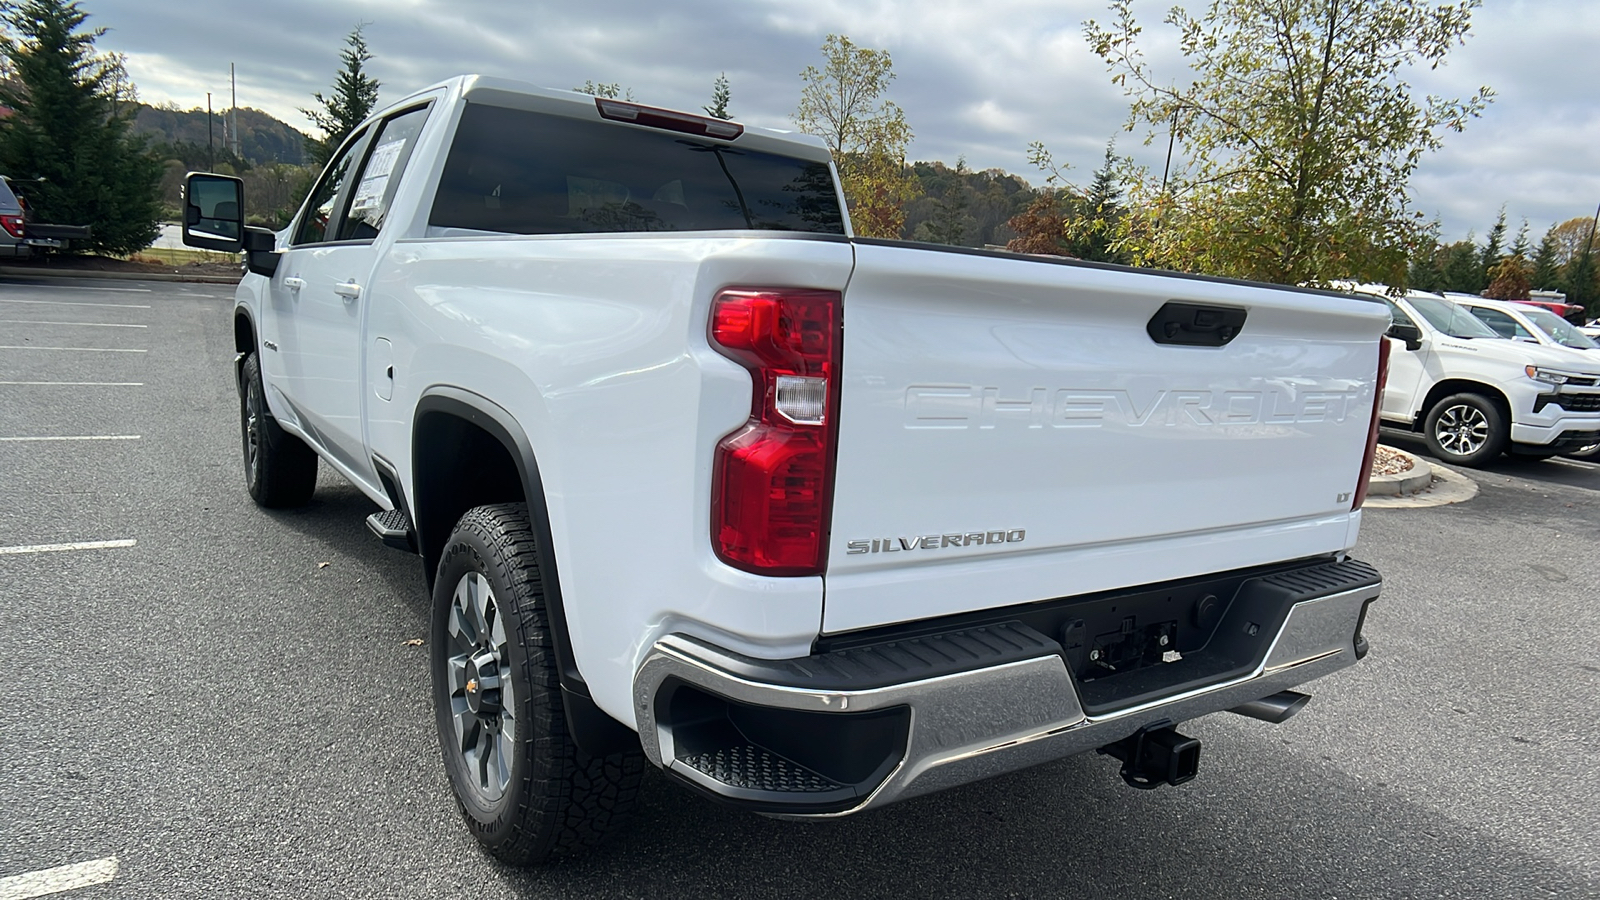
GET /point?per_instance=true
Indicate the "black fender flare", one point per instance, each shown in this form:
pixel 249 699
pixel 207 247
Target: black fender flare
pixel 594 730
pixel 239 309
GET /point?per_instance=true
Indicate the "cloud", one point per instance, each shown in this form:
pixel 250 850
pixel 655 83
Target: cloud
pixel 975 79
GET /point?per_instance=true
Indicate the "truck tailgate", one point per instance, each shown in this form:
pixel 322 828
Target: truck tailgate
pixel 1009 432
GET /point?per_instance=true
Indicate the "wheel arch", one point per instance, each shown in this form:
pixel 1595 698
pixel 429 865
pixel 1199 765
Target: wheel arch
pixel 1460 386
pixel 449 424
pixel 244 342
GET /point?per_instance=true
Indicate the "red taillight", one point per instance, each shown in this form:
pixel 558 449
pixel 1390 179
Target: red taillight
pixel 12 225
pixel 672 120
pixel 773 478
pixel 1372 429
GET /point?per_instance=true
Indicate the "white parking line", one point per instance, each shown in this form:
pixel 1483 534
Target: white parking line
pixel 77 383
pixel 84 324
pixel 62 878
pixel 75 303
pixel 58 548
pixel 1576 464
pixel 73 349
pixel 30 285
pixel 91 437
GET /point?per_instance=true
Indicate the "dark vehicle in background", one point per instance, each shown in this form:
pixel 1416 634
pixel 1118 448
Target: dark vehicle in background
pixel 11 224
pixel 20 235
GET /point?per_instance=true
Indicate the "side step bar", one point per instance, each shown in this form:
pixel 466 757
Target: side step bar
pixel 393 527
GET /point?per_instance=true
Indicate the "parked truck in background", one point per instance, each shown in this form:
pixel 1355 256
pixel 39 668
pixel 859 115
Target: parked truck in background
pixel 812 523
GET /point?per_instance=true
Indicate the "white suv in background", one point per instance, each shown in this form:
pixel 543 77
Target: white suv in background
pixel 1532 324
pixel 1473 394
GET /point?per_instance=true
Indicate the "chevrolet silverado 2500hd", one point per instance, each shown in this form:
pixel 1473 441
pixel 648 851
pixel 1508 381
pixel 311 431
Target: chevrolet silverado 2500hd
pixel 813 523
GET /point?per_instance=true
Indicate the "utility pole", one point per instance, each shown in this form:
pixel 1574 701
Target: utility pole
pixel 233 106
pixel 1172 136
pixel 211 145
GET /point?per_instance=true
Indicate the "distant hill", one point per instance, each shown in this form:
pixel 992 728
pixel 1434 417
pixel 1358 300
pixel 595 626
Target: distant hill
pixel 262 139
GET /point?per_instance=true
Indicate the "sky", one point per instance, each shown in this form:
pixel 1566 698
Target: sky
pixel 979 80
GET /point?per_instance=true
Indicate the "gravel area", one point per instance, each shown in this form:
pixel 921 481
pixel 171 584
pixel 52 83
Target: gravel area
pixel 1389 461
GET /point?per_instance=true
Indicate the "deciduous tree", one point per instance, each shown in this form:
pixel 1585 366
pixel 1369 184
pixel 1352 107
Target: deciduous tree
pixel 1508 279
pixel 67 139
pixel 1571 238
pixel 843 103
pixel 355 93
pixel 1298 133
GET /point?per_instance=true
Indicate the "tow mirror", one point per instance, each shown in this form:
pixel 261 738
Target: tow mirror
pixel 1405 331
pixel 213 212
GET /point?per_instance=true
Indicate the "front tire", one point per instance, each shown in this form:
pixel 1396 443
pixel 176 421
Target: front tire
pixel 1466 430
pixel 280 471
pixel 526 791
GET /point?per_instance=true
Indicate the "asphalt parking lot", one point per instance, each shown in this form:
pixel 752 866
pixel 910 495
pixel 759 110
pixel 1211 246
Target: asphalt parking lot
pixel 201 699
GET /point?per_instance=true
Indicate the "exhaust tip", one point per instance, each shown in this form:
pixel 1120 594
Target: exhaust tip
pixel 1277 709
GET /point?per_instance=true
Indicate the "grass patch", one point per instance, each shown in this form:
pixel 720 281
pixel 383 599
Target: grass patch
pixel 172 256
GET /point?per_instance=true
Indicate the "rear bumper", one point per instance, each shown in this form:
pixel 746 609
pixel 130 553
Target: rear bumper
pixel 908 717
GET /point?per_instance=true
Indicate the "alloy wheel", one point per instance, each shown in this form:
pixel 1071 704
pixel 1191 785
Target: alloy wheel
pixel 1462 429
pixel 482 698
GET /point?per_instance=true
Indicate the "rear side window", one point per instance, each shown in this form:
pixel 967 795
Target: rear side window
pixel 380 177
pixel 1503 325
pixel 531 173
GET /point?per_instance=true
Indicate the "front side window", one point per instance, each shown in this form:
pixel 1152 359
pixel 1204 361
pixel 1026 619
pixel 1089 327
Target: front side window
pixel 316 225
pixel 1450 318
pixel 520 172
pixel 380 177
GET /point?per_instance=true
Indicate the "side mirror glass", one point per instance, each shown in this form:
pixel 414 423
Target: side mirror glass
pixel 213 212
pixel 1407 332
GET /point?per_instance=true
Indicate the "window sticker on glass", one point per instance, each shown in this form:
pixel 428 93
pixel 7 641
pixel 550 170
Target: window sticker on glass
pixel 376 179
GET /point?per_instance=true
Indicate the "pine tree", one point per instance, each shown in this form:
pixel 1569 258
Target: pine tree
pixel 1546 266
pixel 1520 246
pixel 68 136
pixel 950 221
pixel 355 93
pixel 1491 250
pixel 720 95
pixel 1579 280
pixel 1427 269
pixel 610 90
pixel 1461 267
pixel 1090 234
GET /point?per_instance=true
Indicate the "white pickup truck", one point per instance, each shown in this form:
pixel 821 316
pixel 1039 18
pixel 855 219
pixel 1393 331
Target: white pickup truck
pixel 811 522
pixel 1474 394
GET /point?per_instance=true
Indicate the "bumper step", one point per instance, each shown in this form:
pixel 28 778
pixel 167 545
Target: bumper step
pixel 940 703
pixel 758 769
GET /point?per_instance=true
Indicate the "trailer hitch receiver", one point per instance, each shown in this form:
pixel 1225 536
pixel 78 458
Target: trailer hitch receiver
pixel 1155 755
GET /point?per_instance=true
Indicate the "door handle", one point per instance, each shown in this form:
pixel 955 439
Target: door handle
pixel 347 289
pixel 293 283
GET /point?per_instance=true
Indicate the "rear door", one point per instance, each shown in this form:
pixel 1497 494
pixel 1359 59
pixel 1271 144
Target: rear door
pixel 1010 432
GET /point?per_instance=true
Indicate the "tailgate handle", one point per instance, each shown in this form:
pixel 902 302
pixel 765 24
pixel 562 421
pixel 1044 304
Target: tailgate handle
pixel 1193 325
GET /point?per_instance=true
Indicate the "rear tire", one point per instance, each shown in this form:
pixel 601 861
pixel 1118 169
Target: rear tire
pixel 280 471
pixel 526 791
pixel 1466 430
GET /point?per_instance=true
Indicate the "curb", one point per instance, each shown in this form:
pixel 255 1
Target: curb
pixel 1418 477
pixel 26 271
